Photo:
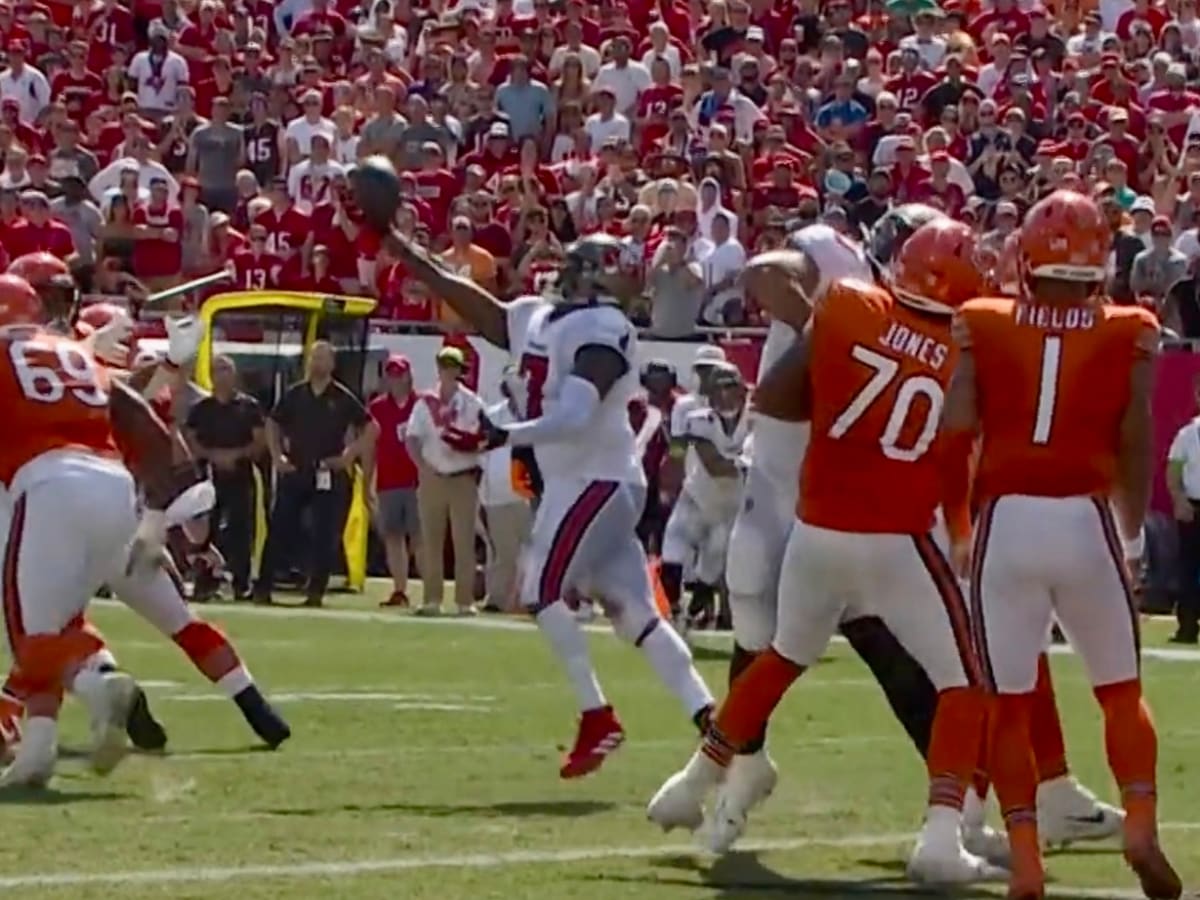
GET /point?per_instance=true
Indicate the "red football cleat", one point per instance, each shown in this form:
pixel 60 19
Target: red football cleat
pixel 600 734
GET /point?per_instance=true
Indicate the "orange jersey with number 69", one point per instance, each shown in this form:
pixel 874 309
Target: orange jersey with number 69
pixel 1052 386
pixel 878 371
pixel 55 397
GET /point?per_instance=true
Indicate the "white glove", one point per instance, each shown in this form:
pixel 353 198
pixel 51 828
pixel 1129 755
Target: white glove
pixel 183 339
pixel 148 548
pixel 110 343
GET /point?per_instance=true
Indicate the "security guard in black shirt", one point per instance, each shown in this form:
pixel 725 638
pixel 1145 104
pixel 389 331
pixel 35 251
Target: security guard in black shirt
pixel 227 430
pixel 315 434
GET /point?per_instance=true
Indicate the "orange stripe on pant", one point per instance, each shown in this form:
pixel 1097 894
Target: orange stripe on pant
pixel 567 538
pixel 955 604
pixel 14 622
pixel 983 530
pixel 1116 551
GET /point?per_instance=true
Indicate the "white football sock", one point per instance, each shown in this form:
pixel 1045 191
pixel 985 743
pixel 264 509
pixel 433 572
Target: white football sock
pixel 558 624
pixel 672 660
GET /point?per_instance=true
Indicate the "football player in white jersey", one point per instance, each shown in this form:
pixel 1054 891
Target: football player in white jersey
pixel 713 434
pixel 577 356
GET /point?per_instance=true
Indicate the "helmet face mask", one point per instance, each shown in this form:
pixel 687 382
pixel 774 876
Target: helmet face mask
pixel 592 271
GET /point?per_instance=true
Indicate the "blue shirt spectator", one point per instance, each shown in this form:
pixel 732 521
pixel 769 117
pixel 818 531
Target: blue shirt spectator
pixel 528 104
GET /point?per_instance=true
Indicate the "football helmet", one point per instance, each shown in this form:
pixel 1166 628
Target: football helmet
pixel 726 390
pixel 1065 237
pixel 19 302
pixel 52 280
pixel 590 270
pixel 889 233
pixel 937 269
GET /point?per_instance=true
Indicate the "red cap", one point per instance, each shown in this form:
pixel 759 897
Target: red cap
pixel 397 364
pixel 939 156
pixel 1045 147
pixel 1160 225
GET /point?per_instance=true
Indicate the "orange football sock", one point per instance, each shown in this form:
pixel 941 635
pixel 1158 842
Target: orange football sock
pixel 1132 746
pixel 753 697
pixel 1045 727
pixel 1014 774
pixel 981 782
pixel 954 745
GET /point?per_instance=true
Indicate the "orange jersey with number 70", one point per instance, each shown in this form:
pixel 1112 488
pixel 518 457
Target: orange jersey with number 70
pixel 876 463
pixel 1052 386
pixel 55 396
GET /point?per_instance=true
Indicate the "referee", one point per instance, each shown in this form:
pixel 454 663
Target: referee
pixel 316 433
pixel 1183 481
pixel 227 429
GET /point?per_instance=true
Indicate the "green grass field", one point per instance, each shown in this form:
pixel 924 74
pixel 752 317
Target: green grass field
pixel 424 767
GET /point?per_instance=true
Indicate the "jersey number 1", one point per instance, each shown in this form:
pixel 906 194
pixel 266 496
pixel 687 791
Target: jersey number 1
pixel 1043 419
pixel 912 387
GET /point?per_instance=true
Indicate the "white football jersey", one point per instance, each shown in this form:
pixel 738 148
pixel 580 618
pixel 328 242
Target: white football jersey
pixel 717 497
pixel 680 410
pixel 778 447
pixel 544 338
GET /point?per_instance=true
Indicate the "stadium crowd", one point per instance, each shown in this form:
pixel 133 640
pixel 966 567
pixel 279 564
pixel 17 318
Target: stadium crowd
pixel 171 139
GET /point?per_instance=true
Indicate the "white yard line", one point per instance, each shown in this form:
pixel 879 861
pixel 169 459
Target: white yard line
pixel 507 623
pixel 345 869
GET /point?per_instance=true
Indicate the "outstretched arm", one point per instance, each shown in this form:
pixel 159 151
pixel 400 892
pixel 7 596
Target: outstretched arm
pixel 475 304
pixel 597 368
pixel 780 393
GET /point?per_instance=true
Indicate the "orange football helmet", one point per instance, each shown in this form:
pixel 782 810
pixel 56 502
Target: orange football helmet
pixel 937 269
pixel 19 302
pixel 53 281
pixel 1065 236
pixel 38 268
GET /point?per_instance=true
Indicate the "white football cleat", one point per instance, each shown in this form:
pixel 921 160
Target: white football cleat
pixel 1069 812
pixel 109 697
pixel 750 781
pixel 33 762
pixel 935 863
pixel 979 838
pixel 679 803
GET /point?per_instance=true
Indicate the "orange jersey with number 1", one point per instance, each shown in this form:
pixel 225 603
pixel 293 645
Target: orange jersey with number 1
pixel 55 396
pixel 878 372
pixel 1052 386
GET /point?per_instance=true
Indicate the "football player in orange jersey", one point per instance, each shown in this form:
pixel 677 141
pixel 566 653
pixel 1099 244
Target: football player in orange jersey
pixel 73 511
pixel 1057 383
pixel 156 594
pixel 875 366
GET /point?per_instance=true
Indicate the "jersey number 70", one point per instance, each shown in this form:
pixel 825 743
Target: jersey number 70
pixel 885 369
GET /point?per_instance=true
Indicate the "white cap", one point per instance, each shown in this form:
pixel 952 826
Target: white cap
pixel 755 33
pixel 1143 204
pixel 708 355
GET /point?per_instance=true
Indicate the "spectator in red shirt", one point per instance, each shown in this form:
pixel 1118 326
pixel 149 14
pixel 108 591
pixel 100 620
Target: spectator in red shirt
pixel 320 279
pixel 158 253
pixel 255 268
pixel 36 230
pixel 937 190
pixel 436 184
pixel 392 497
pixel 1124 146
pixel 907 174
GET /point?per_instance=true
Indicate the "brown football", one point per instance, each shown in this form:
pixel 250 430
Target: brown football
pixel 376 191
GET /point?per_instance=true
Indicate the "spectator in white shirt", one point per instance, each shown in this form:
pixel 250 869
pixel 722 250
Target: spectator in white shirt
pixel 24 83
pixel 139 161
pixel 606 122
pixel 993 73
pixel 626 78
pixel 507 515
pixel 299 132
pixel 158 72
pixel 309 181
pixel 930 46
pixel 721 267
pixel 443 439
pixel 662 48
pixel 589 57
pixel 1183 482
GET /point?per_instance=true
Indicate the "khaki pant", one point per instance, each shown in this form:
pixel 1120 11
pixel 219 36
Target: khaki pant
pixel 453 497
pixel 508 527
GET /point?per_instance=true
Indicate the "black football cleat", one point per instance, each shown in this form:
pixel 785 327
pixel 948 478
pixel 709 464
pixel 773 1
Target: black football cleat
pixel 262 717
pixel 143 729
